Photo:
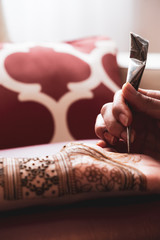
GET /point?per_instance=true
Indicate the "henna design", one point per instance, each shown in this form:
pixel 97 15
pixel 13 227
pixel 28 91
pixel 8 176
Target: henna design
pixel 77 168
pixel 92 173
pixel 38 177
pixel 28 178
pixel 105 174
pixel 11 179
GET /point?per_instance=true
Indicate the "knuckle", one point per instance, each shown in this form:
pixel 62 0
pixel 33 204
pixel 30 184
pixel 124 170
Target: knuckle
pixel 99 131
pixel 117 95
pixel 105 108
pixel 118 103
pixel 115 109
pixel 99 126
pixel 99 121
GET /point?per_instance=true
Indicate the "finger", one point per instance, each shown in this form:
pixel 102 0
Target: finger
pixel 101 144
pixel 114 127
pixel 120 147
pixel 121 111
pixel 100 126
pixel 109 138
pixel 124 135
pixel 150 93
pixel 101 131
pixel 141 102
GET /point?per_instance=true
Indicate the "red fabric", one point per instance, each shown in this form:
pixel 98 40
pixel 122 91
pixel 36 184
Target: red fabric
pixel 47 67
pixel 23 123
pixel 82 114
pixel 87 44
pixel 54 92
pixel 109 62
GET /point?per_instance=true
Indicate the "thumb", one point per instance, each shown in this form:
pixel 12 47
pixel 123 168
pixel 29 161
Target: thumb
pixel 141 102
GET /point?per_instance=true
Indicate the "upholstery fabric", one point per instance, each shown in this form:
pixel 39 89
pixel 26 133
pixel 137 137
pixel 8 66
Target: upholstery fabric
pixel 53 91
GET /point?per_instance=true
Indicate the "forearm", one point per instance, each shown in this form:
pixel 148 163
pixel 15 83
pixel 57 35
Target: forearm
pixel 76 170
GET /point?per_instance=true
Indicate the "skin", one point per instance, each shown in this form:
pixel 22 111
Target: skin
pixel 104 168
pixel 78 171
pixel 144 118
pixel 148 165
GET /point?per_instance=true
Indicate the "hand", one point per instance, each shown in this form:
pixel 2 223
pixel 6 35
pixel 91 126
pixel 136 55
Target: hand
pixel 144 118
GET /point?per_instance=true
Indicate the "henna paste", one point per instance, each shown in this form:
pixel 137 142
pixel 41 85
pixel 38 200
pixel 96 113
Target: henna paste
pixel 97 171
pixel 77 168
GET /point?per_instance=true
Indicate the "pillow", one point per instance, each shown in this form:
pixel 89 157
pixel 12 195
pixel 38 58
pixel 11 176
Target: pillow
pixel 53 91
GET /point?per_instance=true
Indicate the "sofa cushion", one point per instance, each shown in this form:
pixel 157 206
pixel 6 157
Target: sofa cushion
pixel 53 91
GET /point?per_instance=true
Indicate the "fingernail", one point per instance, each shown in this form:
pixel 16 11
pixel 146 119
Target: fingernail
pixel 101 144
pixel 123 119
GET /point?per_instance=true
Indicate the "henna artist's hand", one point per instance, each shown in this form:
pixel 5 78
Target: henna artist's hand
pixel 145 120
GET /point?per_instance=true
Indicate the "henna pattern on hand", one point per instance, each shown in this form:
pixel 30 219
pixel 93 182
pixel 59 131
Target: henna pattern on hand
pixel 77 168
pixel 101 172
